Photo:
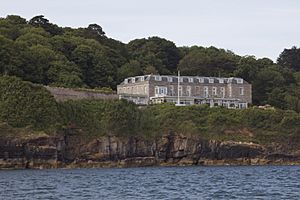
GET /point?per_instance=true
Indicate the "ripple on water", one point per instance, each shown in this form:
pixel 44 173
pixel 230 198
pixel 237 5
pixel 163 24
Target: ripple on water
pixel 267 182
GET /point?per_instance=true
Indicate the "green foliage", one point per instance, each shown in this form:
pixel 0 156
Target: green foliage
pixel 24 104
pixel 160 53
pixel 290 58
pixel 99 117
pixel 208 62
pixel 42 52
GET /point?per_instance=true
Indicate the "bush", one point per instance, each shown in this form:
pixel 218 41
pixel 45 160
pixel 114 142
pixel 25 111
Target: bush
pixel 24 104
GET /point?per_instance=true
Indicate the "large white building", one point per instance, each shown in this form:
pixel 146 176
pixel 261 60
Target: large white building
pixel 216 91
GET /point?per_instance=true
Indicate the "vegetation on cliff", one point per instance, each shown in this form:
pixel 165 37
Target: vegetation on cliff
pixel 25 104
pixel 42 52
pixel 31 107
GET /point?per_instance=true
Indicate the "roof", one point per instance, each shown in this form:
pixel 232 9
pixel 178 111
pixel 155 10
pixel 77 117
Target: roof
pixel 192 79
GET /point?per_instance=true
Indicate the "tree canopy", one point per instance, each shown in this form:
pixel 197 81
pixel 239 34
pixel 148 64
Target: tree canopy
pixel 42 52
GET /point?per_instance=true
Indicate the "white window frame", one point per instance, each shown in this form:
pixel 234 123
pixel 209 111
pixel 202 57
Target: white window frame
pixel 221 80
pixel 170 79
pixel 201 80
pixel 222 92
pixel 157 78
pixel 211 80
pixel 206 93
pixel 241 91
pixel 180 90
pixel 191 80
pixel 161 90
pixel 181 79
pixel 214 91
pixel 132 80
pixel 188 90
pixel 239 81
pixel 142 78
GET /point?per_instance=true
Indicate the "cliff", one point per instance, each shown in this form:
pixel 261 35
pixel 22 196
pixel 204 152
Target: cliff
pixel 72 151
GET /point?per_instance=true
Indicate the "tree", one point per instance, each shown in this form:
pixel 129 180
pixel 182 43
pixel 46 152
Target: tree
pixel 158 52
pixel 132 68
pixel 290 58
pixel 6 50
pixel 96 70
pixel 208 62
pixel 41 21
pixel 36 63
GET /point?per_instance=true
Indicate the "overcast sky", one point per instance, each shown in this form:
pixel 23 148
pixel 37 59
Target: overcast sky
pixel 255 27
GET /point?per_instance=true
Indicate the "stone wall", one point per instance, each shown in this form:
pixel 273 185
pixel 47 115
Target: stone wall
pixel 63 94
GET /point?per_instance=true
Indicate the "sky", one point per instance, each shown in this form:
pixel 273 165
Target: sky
pixel 262 28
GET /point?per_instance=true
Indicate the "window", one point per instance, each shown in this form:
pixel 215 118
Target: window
pixel 214 91
pixel 142 78
pixel 191 80
pixel 205 91
pixel 211 80
pixel 201 80
pixel 161 90
pixel 157 78
pixel 181 79
pixel 170 79
pixel 188 91
pixel 222 92
pixel 197 90
pixel 241 91
pixel 239 80
pixel 180 90
pixel 133 80
pixel 134 89
pixel 221 80
pixel 172 90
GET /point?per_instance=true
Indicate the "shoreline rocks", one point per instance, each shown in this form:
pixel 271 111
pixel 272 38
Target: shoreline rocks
pixel 74 151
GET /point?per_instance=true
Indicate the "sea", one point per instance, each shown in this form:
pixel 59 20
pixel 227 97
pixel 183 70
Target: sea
pixel 198 182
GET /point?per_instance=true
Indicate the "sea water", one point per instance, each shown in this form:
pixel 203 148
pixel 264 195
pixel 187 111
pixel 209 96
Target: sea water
pixel 241 182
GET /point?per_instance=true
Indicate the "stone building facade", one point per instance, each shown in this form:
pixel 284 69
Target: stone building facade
pixel 215 91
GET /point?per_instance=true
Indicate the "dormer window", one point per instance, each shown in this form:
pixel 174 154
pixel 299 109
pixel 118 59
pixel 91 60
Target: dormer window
pixel 142 78
pixel 221 80
pixel 133 80
pixel 211 80
pixel 170 79
pixel 181 79
pixel 239 80
pixel 201 80
pixel 158 78
pixel 191 80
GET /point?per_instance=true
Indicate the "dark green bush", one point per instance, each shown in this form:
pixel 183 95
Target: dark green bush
pixel 25 104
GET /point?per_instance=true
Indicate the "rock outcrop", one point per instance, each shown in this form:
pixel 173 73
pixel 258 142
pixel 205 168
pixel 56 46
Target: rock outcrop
pixel 71 151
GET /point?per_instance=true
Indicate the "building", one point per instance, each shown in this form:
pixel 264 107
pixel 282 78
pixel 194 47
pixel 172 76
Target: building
pixel 215 91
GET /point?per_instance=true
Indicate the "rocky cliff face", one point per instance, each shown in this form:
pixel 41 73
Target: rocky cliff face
pixel 171 149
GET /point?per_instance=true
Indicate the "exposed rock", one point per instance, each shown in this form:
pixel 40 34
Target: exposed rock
pixel 71 151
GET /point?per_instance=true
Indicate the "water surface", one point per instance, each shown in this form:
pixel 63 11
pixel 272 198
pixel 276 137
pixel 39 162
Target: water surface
pixel 244 182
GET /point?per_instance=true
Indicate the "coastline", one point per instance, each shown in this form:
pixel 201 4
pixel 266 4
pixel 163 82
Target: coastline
pixel 73 151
